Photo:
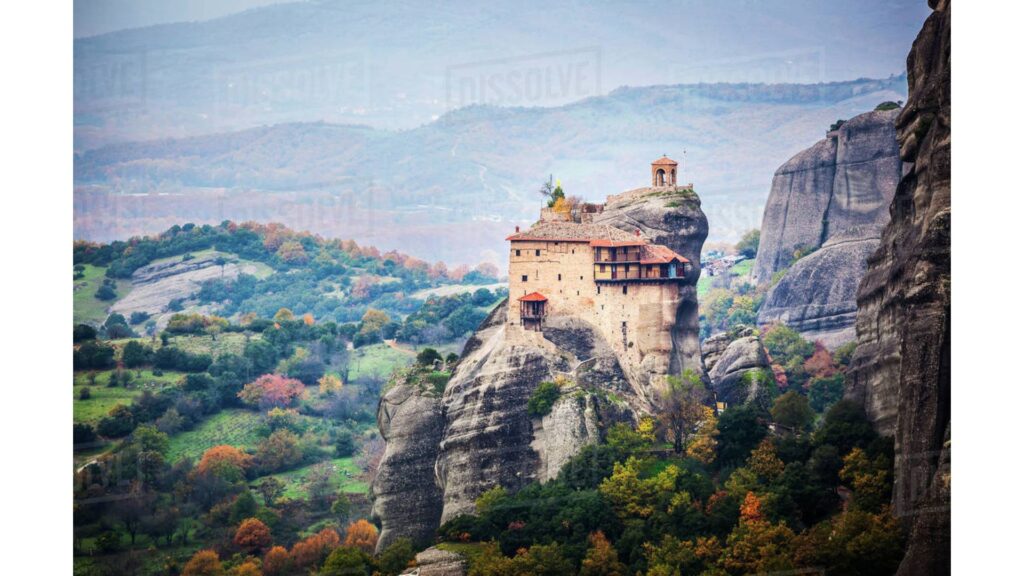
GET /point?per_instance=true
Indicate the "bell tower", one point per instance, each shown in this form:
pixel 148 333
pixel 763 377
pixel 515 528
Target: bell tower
pixel 663 172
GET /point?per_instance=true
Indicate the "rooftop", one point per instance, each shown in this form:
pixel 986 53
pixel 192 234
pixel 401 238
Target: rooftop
pixel 664 161
pixel 534 297
pixel 658 254
pixel 573 232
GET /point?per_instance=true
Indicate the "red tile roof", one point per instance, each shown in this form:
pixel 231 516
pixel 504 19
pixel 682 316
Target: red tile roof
pixel 534 297
pixel 573 232
pixel 658 254
pixel 664 161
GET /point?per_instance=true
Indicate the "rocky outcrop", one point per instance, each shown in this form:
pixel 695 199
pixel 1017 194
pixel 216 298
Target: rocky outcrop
pixel 411 422
pixel 154 286
pixel 729 358
pixel 488 438
pixel 901 367
pixel 818 295
pixel 833 198
pixel 435 562
pixel 671 218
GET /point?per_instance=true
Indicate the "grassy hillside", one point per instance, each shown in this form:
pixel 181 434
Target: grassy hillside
pixel 102 397
pixel 87 307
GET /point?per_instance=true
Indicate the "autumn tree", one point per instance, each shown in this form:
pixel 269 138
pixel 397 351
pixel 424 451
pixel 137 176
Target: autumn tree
pixel 329 384
pixel 601 558
pixel 224 461
pixel 276 562
pixel 705 442
pixel 204 563
pixel 284 315
pixel 765 462
pixel 757 546
pixel 633 496
pixel 252 535
pixel 362 535
pixel 682 405
pixel 278 451
pixel 312 551
pixel 871 480
pixel 248 567
pixel 272 390
pixel 820 364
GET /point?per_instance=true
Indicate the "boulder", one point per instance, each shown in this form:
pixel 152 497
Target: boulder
pixel 743 355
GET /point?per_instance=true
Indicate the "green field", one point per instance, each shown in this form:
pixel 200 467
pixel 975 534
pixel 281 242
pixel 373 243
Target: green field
pixel 102 398
pixel 227 343
pixel 235 427
pixel 88 308
pixel 345 468
pixel 377 360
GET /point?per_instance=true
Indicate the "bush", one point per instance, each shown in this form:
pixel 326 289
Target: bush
pixel 428 356
pixel 543 399
pixel 106 293
pixel 83 332
pixel 138 318
pixel 396 557
pixel 84 393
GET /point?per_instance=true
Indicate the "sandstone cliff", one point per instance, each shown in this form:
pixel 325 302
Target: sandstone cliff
pixel 900 370
pixel 488 438
pixel 832 198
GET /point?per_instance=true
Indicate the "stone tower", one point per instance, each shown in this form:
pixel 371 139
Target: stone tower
pixel 663 172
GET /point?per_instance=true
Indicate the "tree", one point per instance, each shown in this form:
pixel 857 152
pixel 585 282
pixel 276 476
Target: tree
pixel 765 462
pixel 276 562
pixel 341 507
pixel 346 562
pixel 820 363
pixel 204 563
pixel 105 293
pixel 543 399
pixel 83 332
pixel 135 354
pixel 792 411
pixel 632 496
pixel 756 546
pixel 252 535
pixel 271 390
pixel 224 461
pixel 705 442
pixel 601 558
pixel 312 551
pixel 271 488
pixel 249 567
pixel 279 451
pixel 118 422
pixel 362 535
pixel 748 244
pixel 428 356
pixel 329 384
pixel 682 405
pixel 284 315
pixel 846 426
pixel 244 506
pixel 396 557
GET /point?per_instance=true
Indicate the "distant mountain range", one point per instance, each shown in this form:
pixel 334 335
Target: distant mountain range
pixel 453 188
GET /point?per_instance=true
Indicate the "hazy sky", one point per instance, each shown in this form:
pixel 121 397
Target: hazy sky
pixel 100 16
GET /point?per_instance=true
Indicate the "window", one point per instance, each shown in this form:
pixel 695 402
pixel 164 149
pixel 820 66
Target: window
pixel 525 277
pixel 602 267
pixel 559 277
pixel 517 252
pixel 537 252
pixel 625 290
pixel 598 288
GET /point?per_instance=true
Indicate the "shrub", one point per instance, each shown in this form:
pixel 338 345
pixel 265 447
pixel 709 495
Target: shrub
pixel 396 557
pixel 543 399
pixel 84 393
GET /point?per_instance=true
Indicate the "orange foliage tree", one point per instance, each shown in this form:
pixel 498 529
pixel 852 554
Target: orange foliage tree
pixel 203 563
pixel 601 558
pixel 253 535
pixel 225 462
pixel 361 534
pixel 272 390
pixel 311 552
pixel 820 363
pixel 250 567
pixel 276 562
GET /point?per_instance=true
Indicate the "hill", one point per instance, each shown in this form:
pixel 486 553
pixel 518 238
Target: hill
pixel 453 188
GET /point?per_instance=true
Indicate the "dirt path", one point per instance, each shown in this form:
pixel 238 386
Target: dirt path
pixel 396 346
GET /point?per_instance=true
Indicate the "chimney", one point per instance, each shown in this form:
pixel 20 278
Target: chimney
pixel 517 229
pixel 638 232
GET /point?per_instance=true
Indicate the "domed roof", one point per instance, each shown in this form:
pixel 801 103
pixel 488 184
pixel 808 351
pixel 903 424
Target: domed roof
pixel 664 161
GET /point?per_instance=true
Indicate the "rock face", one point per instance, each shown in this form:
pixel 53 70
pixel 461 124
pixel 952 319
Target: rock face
pixel 900 369
pixel 832 197
pixel 818 295
pixel 155 285
pixel 677 221
pixel 488 438
pixel 411 423
pixel 434 562
pixel 728 358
